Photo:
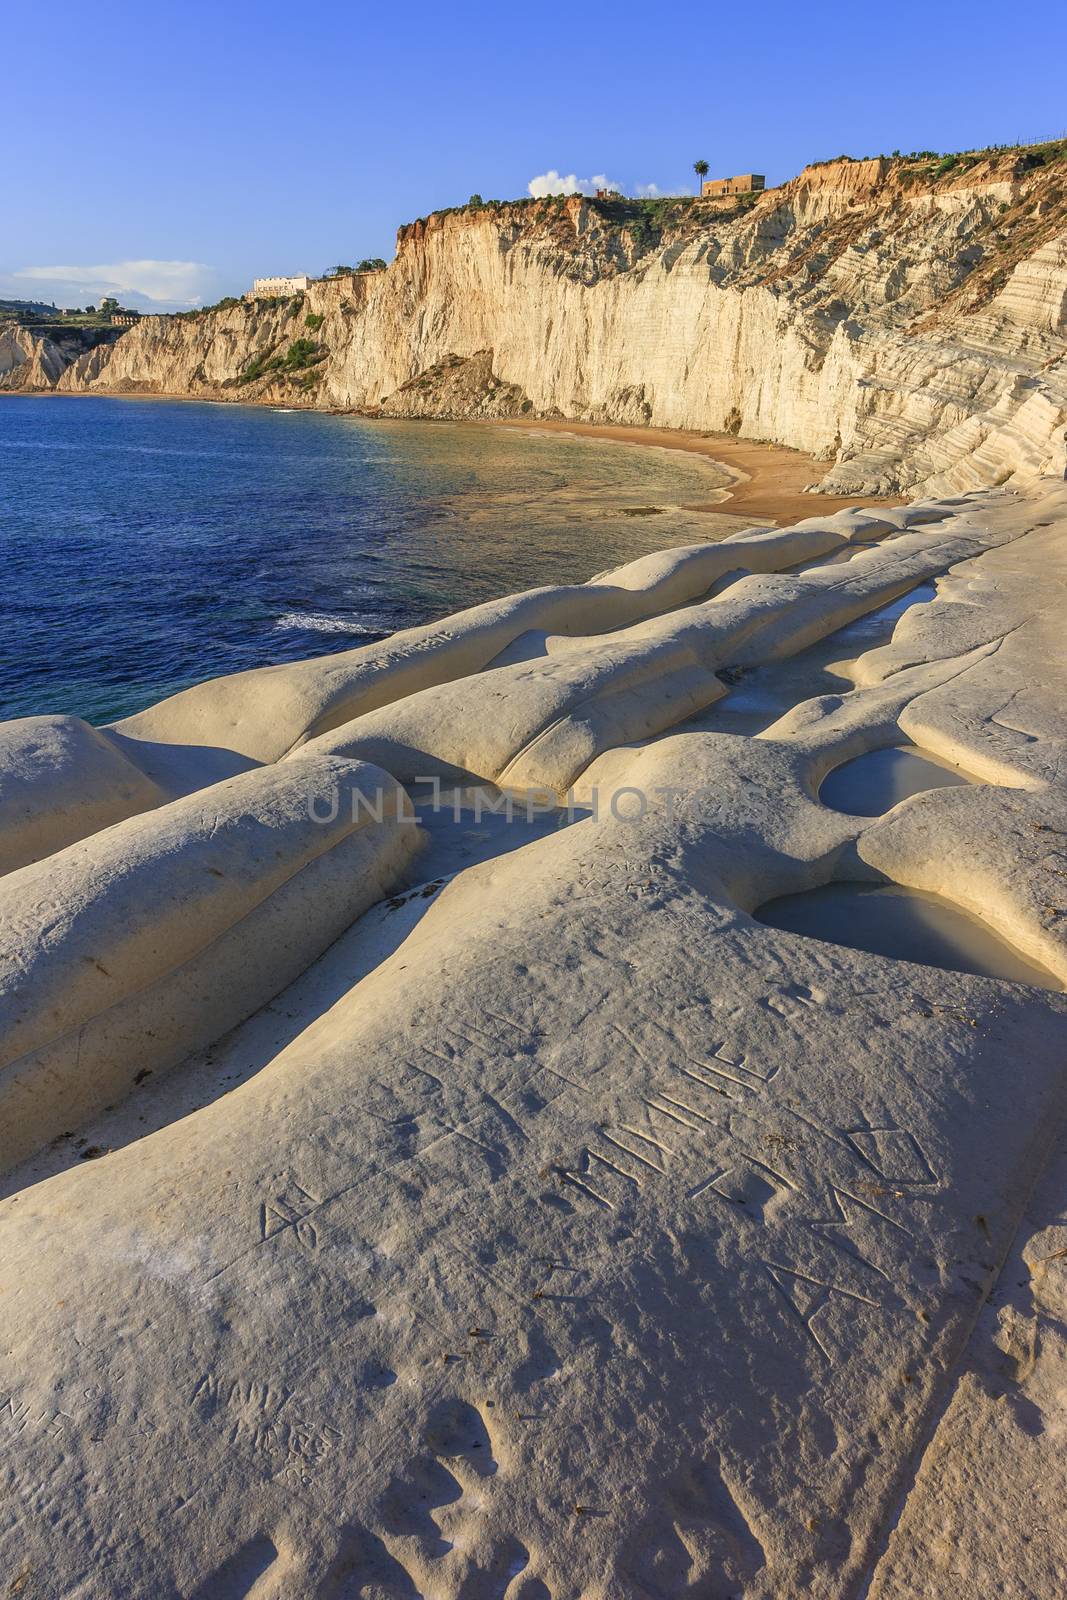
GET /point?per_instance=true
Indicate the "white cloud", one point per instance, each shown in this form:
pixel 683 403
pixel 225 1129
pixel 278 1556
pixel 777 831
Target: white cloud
pixel 652 191
pixel 552 182
pixel 147 285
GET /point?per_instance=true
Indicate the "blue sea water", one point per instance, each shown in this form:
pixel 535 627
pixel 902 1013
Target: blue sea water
pixel 148 544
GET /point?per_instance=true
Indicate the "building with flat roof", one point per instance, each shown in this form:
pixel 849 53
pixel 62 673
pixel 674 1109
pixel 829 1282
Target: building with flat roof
pixel 277 288
pixel 747 183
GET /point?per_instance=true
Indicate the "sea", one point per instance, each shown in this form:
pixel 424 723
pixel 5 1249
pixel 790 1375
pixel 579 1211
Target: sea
pixel 148 544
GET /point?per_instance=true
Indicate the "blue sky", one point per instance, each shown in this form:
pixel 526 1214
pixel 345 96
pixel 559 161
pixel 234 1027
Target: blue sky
pixel 173 151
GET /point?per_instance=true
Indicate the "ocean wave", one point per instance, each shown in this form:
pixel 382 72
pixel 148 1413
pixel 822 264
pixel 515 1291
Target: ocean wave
pixel 322 622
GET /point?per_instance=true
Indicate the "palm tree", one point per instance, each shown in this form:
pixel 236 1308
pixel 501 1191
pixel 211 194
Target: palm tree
pixel 701 170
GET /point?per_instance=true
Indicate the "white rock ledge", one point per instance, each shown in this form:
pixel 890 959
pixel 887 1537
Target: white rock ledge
pixel 550 1229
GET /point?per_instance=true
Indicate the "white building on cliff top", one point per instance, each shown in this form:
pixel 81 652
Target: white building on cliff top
pixel 276 288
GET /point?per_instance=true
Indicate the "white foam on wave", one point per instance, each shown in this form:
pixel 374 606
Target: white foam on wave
pixel 322 622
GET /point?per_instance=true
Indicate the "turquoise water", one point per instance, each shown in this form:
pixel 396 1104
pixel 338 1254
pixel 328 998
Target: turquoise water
pixel 147 545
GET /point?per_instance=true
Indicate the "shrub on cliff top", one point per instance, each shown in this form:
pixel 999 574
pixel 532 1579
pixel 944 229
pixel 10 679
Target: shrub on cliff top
pixel 225 304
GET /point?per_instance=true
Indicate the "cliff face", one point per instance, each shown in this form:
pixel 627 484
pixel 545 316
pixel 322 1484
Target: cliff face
pixel 27 361
pixel 908 327
pixel 33 359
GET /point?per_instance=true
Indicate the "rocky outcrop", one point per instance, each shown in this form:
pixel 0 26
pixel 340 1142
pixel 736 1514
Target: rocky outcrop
pixel 28 361
pixel 34 358
pixel 265 881
pixel 458 386
pixel 902 322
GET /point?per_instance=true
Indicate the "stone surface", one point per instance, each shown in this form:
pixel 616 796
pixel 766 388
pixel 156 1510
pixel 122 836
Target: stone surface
pixel 126 950
pixel 561 1230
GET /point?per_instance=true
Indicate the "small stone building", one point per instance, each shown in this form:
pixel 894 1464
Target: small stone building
pixel 747 183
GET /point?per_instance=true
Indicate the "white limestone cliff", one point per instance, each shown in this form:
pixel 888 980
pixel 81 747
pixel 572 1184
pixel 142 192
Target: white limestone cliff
pixel 909 329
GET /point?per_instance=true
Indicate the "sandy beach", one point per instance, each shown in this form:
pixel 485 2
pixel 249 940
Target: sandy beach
pixel 769 480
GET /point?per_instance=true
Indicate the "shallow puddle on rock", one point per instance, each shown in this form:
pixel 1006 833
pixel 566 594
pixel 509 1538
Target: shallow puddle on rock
pixel 877 628
pixel 759 696
pixel 905 924
pixel 752 704
pixel 873 783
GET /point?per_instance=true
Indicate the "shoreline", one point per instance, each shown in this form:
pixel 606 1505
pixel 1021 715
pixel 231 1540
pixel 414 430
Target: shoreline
pixel 769 480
